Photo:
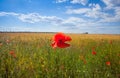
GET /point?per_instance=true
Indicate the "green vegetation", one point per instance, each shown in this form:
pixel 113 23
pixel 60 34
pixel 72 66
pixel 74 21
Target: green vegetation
pixel 31 56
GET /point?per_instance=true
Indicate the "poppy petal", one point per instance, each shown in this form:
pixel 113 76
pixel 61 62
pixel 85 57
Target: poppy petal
pixel 59 40
pixel 63 45
pixel 54 44
pixel 67 38
pixel 59 36
pixel 93 53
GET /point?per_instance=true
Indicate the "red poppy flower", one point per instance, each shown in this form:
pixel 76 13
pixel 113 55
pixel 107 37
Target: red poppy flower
pixel 59 40
pixel 13 54
pixel 111 41
pixel 93 53
pixel 108 63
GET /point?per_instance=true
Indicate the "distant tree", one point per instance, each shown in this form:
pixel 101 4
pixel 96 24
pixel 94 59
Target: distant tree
pixel 85 33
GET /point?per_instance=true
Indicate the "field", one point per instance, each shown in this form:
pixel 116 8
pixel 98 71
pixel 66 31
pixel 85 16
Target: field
pixel 30 55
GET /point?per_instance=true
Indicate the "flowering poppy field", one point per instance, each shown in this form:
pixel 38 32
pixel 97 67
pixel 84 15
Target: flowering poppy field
pixel 59 55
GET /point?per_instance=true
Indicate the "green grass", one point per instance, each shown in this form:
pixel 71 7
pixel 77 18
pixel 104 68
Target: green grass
pixel 36 58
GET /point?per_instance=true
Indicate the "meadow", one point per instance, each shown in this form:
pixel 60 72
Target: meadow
pixel 30 55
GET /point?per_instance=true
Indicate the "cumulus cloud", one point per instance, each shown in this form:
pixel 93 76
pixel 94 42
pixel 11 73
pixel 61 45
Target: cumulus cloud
pixel 79 22
pixel 33 17
pixel 114 6
pixel 61 1
pixel 110 4
pixel 36 18
pixel 78 11
pixel 72 22
pixel 83 2
pixel 112 18
pixel 94 12
pixel 8 13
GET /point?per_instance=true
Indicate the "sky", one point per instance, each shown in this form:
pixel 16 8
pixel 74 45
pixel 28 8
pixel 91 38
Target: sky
pixel 69 16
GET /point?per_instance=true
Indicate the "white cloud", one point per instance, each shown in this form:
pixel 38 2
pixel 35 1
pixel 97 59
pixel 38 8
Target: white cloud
pixel 112 18
pixel 110 4
pixel 97 14
pixel 116 2
pixel 117 11
pixel 83 2
pixel 79 22
pixel 8 13
pixel 72 21
pixel 61 1
pixel 95 7
pixel 93 12
pixel 33 17
pixel 78 11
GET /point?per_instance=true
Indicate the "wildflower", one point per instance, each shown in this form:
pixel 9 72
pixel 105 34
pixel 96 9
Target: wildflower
pixel 1 44
pixel 111 41
pixel 7 41
pixel 108 63
pixel 59 40
pixel 93 53
pixel 93 50
pixel 12 53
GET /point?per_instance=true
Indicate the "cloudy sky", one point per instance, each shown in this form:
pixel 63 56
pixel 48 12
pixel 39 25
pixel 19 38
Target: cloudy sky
pixel 74 16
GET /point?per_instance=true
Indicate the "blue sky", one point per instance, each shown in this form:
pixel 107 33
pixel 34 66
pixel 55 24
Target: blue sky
pixel 71 16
